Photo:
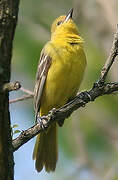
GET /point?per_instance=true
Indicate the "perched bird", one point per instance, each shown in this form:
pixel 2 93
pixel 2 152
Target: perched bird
pixel 60 71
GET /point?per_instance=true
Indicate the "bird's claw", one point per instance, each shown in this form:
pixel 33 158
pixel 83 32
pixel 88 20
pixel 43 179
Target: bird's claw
pixel 40 120
pixel 84 94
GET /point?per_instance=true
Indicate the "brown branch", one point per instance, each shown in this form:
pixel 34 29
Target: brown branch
pixel 98 89
pixel 12 86
pixel 64 112
pixel 28 134
pixel 27 91
pixel 25 97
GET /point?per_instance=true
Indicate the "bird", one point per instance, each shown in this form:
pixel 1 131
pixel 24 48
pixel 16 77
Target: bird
pixel 60 72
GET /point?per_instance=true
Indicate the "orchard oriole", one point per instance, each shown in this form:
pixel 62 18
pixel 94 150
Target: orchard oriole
pixel 60 71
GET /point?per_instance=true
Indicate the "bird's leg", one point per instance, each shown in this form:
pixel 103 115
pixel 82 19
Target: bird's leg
pixel 43 120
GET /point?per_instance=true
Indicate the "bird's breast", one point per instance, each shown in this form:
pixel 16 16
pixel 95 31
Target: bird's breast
pixel 64 76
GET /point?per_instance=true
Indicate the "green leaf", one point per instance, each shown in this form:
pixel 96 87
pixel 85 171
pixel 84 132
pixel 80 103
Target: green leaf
pixel 15 126
pixel 16 131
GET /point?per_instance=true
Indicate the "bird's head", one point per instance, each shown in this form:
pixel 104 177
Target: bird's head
pixel 64 25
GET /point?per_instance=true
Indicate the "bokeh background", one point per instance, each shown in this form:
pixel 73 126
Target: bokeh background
pixel 88 141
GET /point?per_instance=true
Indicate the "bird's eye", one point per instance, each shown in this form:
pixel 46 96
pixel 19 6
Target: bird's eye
pixel 58 23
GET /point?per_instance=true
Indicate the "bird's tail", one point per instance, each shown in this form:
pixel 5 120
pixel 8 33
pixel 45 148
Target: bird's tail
pixel 45 150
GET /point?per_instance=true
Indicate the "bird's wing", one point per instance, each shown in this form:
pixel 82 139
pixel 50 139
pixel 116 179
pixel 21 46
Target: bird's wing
pixel 42 71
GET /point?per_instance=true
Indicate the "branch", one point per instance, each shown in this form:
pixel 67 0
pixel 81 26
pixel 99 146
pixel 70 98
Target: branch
pixel 24 97
pixel 99 89
pixel 13 86
pixel 27 91
pixel 64 112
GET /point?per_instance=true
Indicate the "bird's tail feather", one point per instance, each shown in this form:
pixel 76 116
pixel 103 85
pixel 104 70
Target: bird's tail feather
pixel 45 150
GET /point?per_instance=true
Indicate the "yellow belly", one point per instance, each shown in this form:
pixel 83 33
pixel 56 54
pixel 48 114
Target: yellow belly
pixel 64 77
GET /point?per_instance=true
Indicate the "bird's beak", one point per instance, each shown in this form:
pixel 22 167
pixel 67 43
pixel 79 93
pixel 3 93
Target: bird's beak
pixel 69 15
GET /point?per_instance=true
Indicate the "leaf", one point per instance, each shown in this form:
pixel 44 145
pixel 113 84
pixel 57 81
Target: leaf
pixel 16 131
pixel 15 126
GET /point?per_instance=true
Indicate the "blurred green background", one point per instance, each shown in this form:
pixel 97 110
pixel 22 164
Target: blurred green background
pixel 88 141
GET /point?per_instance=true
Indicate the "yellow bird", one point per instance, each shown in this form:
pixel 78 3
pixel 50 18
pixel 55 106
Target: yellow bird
pixel 60 71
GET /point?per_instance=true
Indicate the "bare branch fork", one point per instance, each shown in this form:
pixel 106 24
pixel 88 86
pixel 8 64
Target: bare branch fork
pixel 16 86
pixel 100 88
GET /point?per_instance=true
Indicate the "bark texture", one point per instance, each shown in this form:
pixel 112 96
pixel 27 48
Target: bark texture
pixel 8 19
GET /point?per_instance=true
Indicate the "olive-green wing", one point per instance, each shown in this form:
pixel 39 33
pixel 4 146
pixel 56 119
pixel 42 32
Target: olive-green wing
pixel 42 71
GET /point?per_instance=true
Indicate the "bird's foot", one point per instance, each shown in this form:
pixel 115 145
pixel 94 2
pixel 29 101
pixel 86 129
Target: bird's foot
pixel 42 121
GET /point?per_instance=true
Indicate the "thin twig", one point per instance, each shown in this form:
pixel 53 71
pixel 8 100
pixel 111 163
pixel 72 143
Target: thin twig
pixel 26 91
pixel 25 97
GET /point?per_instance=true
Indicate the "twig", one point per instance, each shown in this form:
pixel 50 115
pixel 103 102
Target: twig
pixel 80 100
pixel 111 58
pixel 25 97
pixel 27 91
